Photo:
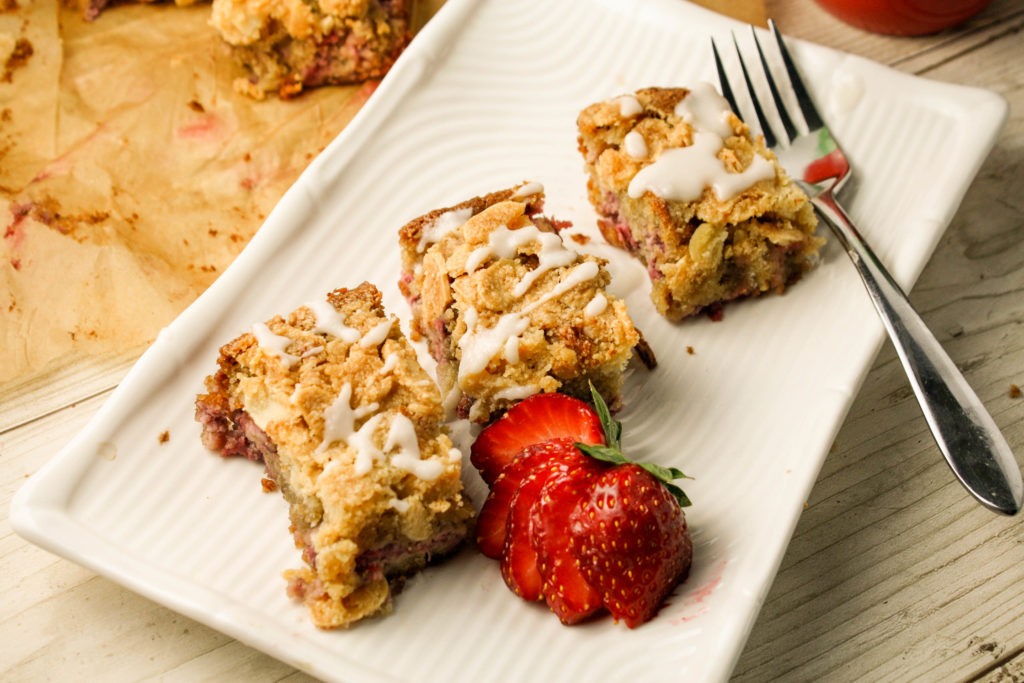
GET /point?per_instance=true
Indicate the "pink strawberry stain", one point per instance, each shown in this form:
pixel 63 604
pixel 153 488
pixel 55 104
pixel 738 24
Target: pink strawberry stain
pixel 62 164
pixel 14 235
pixel 697 597
pixel 206 129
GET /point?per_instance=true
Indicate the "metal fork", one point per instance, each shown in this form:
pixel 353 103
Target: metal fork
pixel 964 431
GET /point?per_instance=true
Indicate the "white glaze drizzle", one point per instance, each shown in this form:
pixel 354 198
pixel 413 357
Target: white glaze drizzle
pixel 330 321
pixel 402 435
pixel 501 243
pixel 367 452
pixel 339 425
pixel 682 173
pixel 274 344
pixel 376 335
pixel 629 106
pixel 512 350
pixel 340 418
pixel 704 109
pixel 451 402
pixel 505 243
pixel 552 254
pixel 390 363
pixel 596 306
pixel 635 145
pixel 479 346
pixel 528 189
pixel 399 505
pixel 442 225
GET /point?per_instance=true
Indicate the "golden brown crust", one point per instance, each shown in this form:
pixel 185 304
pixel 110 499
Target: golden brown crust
pixel 388 495
pixel 290 45
pixel 464 293
pixel 413 243
pixel 709 250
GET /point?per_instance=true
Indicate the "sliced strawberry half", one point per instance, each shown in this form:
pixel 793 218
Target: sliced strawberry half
pixel 492 521
pixel 534 420
pixel 564 587
pixel 518 556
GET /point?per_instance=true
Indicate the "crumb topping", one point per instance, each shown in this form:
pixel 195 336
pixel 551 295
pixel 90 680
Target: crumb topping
pixel 524 312
pixel 679 182
pixel 358 446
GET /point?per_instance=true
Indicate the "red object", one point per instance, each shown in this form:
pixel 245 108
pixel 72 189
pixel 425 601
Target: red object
pixel 518 557
pixel 904 17
pixel 492 521
pixel 582 533
pixel 534 420
pixel 631 541
pixel 565 590
pixel 832 165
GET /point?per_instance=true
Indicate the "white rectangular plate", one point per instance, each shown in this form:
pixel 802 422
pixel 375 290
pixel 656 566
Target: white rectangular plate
pixel 485 97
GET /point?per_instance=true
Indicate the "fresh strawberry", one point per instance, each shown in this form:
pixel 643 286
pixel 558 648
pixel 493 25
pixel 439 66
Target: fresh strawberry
pixel 493 518
pixel 534 420
pixel 581 532
pixel 518 556
pixel 564 588
pixel 631 541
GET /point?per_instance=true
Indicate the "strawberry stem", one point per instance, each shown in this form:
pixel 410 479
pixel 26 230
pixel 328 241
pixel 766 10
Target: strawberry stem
pixel 612 451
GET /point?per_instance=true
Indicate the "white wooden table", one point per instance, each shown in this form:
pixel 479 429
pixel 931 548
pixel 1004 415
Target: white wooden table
pixel 894 573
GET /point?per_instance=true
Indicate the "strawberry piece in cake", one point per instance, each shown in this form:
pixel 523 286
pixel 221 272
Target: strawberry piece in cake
pixel 332 400
pixel 678 181
pixel 508 309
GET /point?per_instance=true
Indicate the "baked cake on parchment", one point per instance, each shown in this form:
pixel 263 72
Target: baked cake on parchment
pixel 678 181
pixel 507 309
pixel 332 399
pixel 291 45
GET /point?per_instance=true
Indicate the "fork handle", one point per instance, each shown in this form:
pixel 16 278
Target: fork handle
pixel 964 431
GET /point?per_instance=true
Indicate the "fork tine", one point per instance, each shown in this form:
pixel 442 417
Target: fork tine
pixel 780 106
pixel 766 130
pixel 810 112
pixel 723 80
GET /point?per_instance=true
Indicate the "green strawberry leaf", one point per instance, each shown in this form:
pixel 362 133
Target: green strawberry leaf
pixel 612 428
pixel 825 142
pixel 663 473
pixel 603 453
pixel 612 451
pixel 678 494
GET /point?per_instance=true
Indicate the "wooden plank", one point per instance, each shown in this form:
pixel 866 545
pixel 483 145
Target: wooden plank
pixel 1009 671
pixel 894 573
pixel 74 379
pixel 58 619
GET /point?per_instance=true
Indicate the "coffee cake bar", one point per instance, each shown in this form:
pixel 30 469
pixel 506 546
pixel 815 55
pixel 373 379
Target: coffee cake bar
pixel 508 310
pixel 331 398
pixel 678 181
pixel 291 45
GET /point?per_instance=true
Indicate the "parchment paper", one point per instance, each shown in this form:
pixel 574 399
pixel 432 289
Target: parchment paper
pixel 131 173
